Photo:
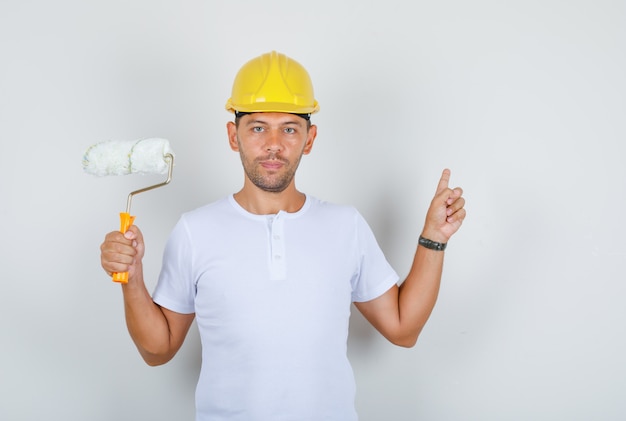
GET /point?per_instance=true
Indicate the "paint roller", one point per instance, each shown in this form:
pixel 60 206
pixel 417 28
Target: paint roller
pixel 116 157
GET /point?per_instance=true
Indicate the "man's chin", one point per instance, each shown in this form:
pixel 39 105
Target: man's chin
pixel 273 189
pixel 270 184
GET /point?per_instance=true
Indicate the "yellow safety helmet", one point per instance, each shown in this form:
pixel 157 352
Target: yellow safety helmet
pixel 272 82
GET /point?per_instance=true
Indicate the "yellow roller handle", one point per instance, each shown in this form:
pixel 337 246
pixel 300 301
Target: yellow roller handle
pixel 125 222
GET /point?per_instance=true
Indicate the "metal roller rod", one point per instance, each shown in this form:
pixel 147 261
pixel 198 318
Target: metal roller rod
pixel 170 158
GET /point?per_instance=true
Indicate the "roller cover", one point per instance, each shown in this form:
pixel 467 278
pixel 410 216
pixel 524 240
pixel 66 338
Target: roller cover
pixel 122 157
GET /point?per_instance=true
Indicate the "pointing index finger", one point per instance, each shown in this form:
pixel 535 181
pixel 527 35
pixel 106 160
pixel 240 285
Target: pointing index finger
pixel 444 181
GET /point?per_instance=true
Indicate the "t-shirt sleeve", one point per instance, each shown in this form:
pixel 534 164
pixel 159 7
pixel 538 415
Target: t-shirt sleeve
pixel 175 289
pixel 375 275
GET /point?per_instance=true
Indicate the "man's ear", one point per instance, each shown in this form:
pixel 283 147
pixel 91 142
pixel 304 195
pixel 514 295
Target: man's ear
pixel 312 134
pixel 231 129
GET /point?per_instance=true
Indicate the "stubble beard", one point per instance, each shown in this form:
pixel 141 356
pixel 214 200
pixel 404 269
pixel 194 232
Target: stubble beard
pixel 274 183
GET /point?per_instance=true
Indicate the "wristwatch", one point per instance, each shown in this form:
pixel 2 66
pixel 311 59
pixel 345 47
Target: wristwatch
pixel 430 244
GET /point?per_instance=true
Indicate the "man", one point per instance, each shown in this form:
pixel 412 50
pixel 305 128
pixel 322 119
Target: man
pixel 270 273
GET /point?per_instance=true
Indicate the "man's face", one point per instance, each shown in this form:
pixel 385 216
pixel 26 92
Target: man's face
pixel 270 146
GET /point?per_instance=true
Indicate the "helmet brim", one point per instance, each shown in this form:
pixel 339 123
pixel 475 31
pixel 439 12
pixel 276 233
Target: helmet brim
pixel 272 107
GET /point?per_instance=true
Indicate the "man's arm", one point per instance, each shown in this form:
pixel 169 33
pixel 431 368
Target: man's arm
pixel 401 312
pixel 157 332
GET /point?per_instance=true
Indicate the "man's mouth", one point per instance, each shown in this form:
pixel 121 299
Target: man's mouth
pixel 272 164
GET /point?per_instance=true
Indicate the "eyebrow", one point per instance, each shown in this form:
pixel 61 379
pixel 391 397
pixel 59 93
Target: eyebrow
pixel 282 123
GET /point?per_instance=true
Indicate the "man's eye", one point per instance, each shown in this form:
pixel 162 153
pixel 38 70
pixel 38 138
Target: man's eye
pixel 290 130
pixel 257 129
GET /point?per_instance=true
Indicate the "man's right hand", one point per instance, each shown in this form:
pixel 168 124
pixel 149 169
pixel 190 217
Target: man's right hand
pixel 123 252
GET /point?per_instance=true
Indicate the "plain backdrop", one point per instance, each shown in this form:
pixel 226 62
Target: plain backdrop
pixel 525 101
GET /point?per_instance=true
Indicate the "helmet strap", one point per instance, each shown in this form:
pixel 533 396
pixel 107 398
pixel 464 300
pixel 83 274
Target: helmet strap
pixel 239 114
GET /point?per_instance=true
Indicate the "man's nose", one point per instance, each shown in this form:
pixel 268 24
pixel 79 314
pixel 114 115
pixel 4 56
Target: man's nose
pixel 273 141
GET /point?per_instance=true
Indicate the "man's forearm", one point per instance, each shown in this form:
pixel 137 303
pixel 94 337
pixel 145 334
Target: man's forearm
pixel 418 293
pixel 147 325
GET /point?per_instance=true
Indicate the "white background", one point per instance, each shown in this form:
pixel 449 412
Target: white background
pixel 525 101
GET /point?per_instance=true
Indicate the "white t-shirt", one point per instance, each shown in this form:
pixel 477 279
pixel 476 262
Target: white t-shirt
pixel 272 296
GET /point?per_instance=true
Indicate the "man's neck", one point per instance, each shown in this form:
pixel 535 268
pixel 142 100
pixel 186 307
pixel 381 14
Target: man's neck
pixel 260 202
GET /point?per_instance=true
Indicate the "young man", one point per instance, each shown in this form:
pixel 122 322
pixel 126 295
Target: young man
pixel 270 273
